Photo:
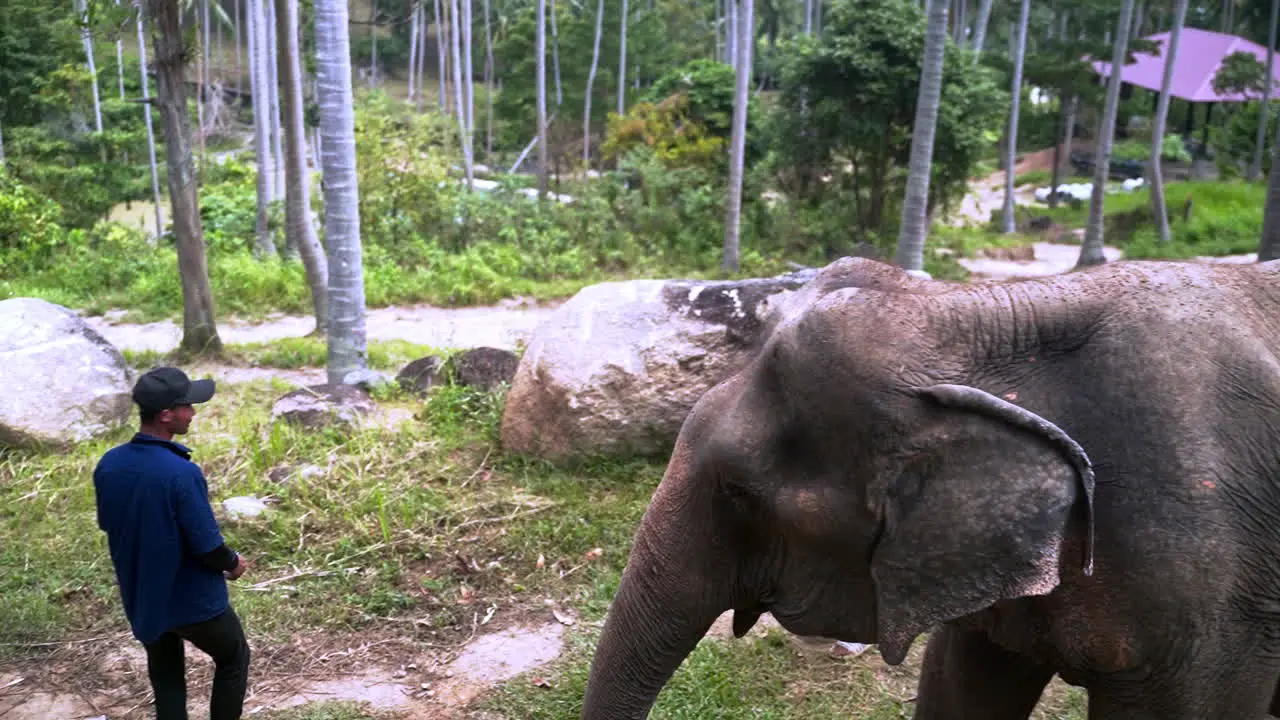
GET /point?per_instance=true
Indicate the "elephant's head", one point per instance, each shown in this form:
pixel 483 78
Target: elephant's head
pixel 853 482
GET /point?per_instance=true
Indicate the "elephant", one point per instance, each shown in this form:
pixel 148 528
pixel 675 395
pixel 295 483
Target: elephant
pixel 1075 475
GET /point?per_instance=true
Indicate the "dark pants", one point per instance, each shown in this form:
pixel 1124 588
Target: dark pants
pixel 221 638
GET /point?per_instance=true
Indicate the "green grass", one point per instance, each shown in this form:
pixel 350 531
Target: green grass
pixel 1225 219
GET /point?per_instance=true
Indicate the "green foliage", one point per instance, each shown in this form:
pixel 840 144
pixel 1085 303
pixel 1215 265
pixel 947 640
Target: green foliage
pixel 1172 148
pixel 65 158
pixel 686 120
pixel 36 39
pixel 1234 141
pixel 29 229
pixel 846 109
pixel 1240 73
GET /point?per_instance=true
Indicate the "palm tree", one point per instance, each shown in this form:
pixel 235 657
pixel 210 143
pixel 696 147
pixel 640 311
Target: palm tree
pixel 86 37
pixel 540 63
pixel 1158 208
pixel 1255 167
pixel 591 81
pixel 460 94
pixel 346 333
pixel 261 120
pixel 1019 55
pixel 980 28
pixel 738 136
pixel 199 331
pixel 146 114
pixel 1091 249
pixel 1269 247
pixel 915 205
pixel 622 63
pixel 297 189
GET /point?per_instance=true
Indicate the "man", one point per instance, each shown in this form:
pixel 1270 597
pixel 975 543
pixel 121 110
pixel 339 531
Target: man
pixel 169 555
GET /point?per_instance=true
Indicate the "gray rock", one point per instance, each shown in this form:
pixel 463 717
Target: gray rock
pixel 365 379
pixel 421 374
pixel 318 406
pixel 615 370
pixel 484 367
pixel 63 382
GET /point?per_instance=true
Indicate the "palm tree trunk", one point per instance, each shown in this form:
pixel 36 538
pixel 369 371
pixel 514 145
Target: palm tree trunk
pixel 555 52
pixel 413 52
pixel 1255 167
pixel 347 344
pixel 199 331
pixel 146 114
pixel 915 204
pixel 1269 247
pixel 442 96
pixel 373 37
pixel 540 48
pixel 261 120
pixel 1011 153
pixel 980 28
pixel 273 95
pixel 591 81
pixel 86 37
pixel 622 64
pixel 738 137
pixel 1158 208
pixel 460 109
pixel 468 72
pixel 488 84
pixel 1091 249
pixel 297 208
pixel 120 61
pixel 422 51
pixel 1 145
pixel 204 68
pixel 239 48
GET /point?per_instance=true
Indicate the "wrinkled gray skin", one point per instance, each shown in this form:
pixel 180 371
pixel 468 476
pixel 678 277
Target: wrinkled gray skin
pixel 825 484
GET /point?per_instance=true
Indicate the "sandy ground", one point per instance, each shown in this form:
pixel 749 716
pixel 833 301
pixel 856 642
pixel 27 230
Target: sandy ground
pixel 502 326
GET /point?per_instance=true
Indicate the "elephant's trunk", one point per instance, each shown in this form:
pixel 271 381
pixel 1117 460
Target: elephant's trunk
pixel 665 603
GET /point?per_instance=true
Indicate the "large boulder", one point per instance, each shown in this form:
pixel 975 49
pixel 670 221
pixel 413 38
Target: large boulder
pixel 615 370
pixel 63 382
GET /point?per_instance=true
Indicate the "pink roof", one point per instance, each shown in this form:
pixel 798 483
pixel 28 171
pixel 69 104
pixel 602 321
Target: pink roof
pixel 1200 54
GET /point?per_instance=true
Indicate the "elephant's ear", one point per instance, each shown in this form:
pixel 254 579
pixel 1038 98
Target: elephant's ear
pixel 976 514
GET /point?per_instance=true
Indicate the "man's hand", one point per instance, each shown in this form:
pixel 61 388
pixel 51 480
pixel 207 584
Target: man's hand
pixel 238 570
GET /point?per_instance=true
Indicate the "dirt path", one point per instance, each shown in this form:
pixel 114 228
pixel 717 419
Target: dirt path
pixel 414 680
pixel 501 326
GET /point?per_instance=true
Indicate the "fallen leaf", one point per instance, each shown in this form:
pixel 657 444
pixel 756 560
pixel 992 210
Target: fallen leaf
pixel 542 561
pixel 541 682
pixel 594 553
pixel 564 618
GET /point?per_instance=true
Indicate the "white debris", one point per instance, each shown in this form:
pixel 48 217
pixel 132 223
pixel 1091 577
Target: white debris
pixel 244 506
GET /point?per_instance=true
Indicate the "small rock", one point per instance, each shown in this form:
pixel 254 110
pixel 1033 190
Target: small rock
pixel 420 375
pixel 244 506
pixel 317 406
pixel 484 367
pixel 364 378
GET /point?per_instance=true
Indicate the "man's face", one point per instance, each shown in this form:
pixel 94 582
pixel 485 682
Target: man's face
pixel 177 420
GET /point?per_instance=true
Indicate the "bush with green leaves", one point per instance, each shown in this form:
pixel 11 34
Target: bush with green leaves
pixel 29 230
pixel 1235 141
pixel 843 121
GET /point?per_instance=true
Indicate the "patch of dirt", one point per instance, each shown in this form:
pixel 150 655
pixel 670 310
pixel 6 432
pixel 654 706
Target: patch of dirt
pixel 1049 259
pixel 502 326
pixel 415 679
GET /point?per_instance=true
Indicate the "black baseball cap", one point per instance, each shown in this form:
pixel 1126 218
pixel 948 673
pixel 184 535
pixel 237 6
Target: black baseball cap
pixel 166 387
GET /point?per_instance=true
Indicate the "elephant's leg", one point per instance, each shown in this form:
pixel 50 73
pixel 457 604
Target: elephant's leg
pixel 967 677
